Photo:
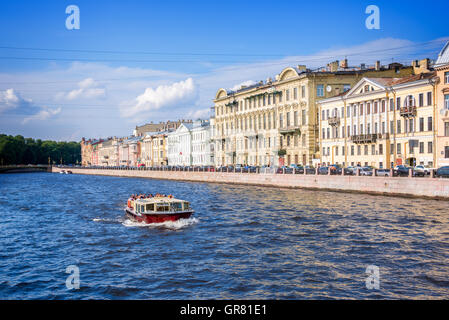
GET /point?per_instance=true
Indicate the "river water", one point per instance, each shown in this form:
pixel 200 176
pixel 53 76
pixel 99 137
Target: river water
pixel 243 242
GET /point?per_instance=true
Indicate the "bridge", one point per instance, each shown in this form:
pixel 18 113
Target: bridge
pixel 25 168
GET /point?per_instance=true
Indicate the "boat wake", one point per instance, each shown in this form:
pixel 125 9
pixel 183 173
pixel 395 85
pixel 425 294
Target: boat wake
pixel 108 220
pixel 172 225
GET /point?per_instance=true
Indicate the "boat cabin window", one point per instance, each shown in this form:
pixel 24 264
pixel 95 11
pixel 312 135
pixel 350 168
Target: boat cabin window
pixel 177 206
pixel 163 207
pixel 150 207
pixel 186 205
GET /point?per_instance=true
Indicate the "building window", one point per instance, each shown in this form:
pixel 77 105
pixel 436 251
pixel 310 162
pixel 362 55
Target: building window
pixel 446 152
pixel 446 101
pixel 391 105
pixel 320 90
pixel 429 98
pixel 446 129
pixel 287 95
pixel 391 148
pixel 381 149
pixel 421 124
pixel 429 124
pixel 392 127
pixel 429 147
pixel 421 147
pixel 295 93
pixel 398 148
pixel 366 150
pixel 303 91
pixel 352 150
pixel 421 99
pixel 446 77
pixel 373 149
pixel 359 150
pixel 399 126
pixel 398 103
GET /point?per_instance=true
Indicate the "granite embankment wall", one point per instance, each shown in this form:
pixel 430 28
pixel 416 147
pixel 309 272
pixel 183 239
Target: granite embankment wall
pixel 437 188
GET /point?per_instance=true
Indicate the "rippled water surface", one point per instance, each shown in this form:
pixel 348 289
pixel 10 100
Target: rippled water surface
pixel 243 242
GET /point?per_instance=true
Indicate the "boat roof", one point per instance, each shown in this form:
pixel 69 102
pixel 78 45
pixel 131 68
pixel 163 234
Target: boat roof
pixel 159 200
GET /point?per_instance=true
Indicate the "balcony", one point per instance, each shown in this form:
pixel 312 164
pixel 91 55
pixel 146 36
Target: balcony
pixel 365 138
pixel 290 130
pixel 334 121
pixel 408 112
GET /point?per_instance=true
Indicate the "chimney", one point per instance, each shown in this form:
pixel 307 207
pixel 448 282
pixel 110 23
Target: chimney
pixel 377 66
pixel 333 66
pixel 362 66
pixel 344 63
pixel 425 64
pixel 301 67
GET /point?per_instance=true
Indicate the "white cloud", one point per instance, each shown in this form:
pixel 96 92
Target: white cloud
pixel 244 83
pixel 44 114
pixel 182 93
pixel 199 114
pixel 88 88
pixel 9 99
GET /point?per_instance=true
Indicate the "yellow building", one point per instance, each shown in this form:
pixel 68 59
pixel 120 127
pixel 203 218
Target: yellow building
pixel 276 122
pixel 159 149
pixel 381 122
pixel 442 69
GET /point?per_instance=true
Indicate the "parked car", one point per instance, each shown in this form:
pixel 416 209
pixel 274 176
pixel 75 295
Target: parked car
pixel 222 169
pixel 284 169
pixel 383 172
pixel 310 169
pixel 442 172
pixel 323 170
pixel 335 169
pixel 297 169
pixel 366 171
pixel 401 171
pixel 420 171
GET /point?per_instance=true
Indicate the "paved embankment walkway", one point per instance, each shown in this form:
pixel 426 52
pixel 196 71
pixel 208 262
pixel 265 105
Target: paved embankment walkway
pixel 437 188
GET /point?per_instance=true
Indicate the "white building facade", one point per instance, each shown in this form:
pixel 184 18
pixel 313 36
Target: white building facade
pixel 179 146
pixel 202 144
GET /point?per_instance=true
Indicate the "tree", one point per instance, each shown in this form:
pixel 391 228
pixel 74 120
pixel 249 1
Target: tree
pixel 20 150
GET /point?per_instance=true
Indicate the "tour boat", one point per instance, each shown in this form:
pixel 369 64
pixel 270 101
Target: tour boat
pixel 157 209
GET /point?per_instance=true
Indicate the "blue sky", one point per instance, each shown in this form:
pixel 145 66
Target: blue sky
pixel 166 59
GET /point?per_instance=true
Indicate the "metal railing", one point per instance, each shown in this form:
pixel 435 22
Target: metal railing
pixel 331 171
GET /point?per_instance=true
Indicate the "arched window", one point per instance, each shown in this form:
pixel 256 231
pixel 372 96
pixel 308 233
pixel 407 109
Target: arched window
pixel 410 101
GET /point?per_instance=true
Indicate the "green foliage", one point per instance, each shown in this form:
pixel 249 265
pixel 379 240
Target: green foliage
pixel 20 150
pixel 282 152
